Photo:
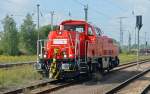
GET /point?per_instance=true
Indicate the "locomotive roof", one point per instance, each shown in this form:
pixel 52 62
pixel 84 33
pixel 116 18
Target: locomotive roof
pixel 74 22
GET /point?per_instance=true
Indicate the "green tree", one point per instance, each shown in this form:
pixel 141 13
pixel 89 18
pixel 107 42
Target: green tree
pixel 10 36
pixel 28 36
pixel 1 50
pixel 44 31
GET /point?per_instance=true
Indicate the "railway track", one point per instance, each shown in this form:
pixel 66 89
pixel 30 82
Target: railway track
pixel 126 85
pixel 23 89
pixel 146 90
pixel 45 87
pixel 127 65
pixel 33 62
pixel 49 86
pixel 16 64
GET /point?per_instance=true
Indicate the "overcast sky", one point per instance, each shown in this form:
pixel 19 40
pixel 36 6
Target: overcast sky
pixel 103 13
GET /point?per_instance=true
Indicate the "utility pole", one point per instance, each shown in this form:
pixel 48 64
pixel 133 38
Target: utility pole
pixel 129 41
pixel 145 43
pixel 138 48
pixel 86 12
pixel 121 30
pixel 38 25
pixel 69 14
pixel 135 38
pixel 38 18
pixel 52 17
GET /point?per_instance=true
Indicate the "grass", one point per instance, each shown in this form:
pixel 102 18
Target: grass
pixel 19 59
pixel 24 75
pixel 124 58
pixel 16 59
pixel 17 76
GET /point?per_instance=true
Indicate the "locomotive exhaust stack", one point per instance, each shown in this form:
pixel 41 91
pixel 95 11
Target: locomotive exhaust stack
pixel 77 48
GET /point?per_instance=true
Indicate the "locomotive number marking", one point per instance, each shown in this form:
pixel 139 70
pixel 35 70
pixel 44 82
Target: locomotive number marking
pixel 59 41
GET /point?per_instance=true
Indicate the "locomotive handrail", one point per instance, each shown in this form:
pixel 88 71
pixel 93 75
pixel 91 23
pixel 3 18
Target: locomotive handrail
pixel 77 43
pixel 86 44
pixel 41 47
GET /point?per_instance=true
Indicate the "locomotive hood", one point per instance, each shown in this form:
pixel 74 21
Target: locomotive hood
pixel 62 43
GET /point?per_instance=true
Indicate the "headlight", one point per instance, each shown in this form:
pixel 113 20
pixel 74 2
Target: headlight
pixel 60 33
pixel 44 56
pixel 65 56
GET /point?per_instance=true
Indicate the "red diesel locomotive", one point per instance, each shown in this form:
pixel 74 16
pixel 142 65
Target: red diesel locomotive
pixel 76 48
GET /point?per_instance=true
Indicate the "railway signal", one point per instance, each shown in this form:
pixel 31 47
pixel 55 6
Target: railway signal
pixel 138 26
pixel 129 42
pixel 139 22
pixel 145 43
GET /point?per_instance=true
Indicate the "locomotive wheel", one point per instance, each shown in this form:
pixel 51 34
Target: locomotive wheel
pixel 97 73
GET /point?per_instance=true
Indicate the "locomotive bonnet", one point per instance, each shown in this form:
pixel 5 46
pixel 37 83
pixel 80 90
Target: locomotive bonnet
pixel 76 48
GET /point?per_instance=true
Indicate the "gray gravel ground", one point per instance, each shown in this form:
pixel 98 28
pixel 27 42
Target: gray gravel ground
pixel 137 86
pixel 105 84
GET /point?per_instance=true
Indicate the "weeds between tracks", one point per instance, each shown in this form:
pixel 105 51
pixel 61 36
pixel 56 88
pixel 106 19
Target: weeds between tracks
pixel 17 59
pixel 17 76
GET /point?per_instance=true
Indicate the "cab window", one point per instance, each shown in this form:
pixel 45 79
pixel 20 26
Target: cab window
pixel 78 28
pixel 90 32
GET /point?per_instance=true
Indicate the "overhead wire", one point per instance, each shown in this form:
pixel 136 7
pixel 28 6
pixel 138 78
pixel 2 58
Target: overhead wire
pixel 92 8
pixel 114 4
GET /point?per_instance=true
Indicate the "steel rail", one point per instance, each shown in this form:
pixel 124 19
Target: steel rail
pixel 125 83
pixel 49 90
pixel 146 89
pixel 54 84
pixel 8 65
pixel 134 62
pixel 16 64
pixel 127 65
pixel 58 87
pixel 20 90
pixel 68 84
pixel 52 89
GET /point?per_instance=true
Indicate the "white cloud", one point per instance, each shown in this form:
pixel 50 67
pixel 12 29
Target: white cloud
pixel 17 8
pixel 16 5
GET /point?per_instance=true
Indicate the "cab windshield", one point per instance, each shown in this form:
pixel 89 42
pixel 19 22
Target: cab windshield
pixel 78 28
